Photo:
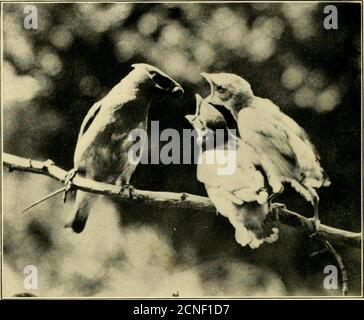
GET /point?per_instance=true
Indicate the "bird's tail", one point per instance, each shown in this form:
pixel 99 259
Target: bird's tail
pixel 252 238
pixel 251 226
pixel 83 205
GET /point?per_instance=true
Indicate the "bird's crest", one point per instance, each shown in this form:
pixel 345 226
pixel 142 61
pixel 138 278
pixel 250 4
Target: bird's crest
pixel 149 68
pixel 161 79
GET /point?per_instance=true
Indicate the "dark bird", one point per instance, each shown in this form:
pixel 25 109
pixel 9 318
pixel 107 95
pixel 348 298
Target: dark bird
pixel 103 142
pixel 240 193
pixel 273 135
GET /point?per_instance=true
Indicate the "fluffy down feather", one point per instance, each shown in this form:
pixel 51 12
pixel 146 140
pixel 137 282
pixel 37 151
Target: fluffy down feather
pixel 241 196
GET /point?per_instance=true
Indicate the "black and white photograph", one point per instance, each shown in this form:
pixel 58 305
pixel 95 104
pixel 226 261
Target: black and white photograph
pixel 181 150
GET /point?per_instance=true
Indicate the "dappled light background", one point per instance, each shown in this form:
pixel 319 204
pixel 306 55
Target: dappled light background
pixel 53 75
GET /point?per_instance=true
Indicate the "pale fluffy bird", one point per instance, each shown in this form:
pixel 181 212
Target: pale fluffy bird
pixel 273 135
pixel 241 195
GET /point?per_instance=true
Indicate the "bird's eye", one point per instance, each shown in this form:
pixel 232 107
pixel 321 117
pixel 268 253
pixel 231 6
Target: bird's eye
pixel 220 88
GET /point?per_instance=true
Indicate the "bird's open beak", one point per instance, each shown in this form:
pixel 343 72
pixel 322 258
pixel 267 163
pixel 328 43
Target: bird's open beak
pixel 199 100
pixel 190 118
pixel 208 77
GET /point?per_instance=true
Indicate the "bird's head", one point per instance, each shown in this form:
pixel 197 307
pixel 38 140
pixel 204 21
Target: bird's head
pixel 207 120
pixel 228 90
pixel 155 81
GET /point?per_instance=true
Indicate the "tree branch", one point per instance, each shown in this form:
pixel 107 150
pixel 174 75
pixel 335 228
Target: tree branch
pixel 172 200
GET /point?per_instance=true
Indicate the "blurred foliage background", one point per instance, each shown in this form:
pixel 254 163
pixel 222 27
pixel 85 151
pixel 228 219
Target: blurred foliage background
pixel 53 75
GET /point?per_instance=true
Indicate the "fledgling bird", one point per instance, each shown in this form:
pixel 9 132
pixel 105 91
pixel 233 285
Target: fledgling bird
pixel 103 142
pixel 273 134
pixel 241 194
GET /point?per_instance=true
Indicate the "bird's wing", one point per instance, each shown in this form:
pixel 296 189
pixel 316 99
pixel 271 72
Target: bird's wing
pixel 292 127
pixel 104 143
pixel 307 156
pixel 90 116
pixel 283 141
pixel 289 128
pixel 85 137
pixel 117 97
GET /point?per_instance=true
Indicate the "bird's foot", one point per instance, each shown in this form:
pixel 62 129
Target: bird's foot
pixel 129 188
pixel 275 208
pixel 316 227
pixel 274 195
pixel 46 164
pixel 68 182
